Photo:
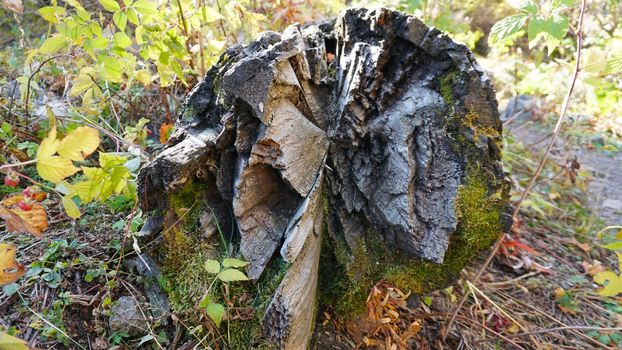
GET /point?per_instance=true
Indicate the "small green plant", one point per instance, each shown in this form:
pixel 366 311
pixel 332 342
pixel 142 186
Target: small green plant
pixel 225 272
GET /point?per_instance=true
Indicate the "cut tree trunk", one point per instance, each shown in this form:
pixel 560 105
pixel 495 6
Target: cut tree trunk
pixel 356 151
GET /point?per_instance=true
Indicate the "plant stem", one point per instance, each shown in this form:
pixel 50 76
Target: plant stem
pixel 7 166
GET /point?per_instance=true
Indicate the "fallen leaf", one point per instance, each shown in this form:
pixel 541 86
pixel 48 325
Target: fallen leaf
pixel 21 224
pixel 611 282
pixel 37 216
pixel 10 270
pixel 12 200
pixel 592 269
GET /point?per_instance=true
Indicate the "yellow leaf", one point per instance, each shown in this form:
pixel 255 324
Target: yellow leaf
pixel 70 207
pixel 612 283
pixel 49 145
pixel 10 270
pixel 79 143
pixel 9 342
pixel 55 168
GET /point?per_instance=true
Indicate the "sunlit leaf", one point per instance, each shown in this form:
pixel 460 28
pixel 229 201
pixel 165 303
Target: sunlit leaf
pixel 121 40
pixel 9 342
pixel 70 207
pixel 611 282
pixel 51 13
pixel 524 5
pixel 551 29
pixel 110 5
pixel 55 168
pixel 53 44
pixel 120 19
pixel 212 266
pixel 80 143
pixel 232 275
pixel 145 7
pixel 210 14
pixel 507 27
pixel 215 312
pixel 230 262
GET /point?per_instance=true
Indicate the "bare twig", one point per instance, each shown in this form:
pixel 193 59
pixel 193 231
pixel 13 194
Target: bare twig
pixel 533 180
pixel 35 73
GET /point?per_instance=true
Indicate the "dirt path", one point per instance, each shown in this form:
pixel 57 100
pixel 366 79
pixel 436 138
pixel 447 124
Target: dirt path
pixel 605 188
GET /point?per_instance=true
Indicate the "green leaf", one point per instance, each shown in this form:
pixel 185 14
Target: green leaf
pixel 230 262
pixel 108 160
pixel 209 14
pixel 120 19
pixel 9 342
pixel 145 7
pixel 70 207
pixel 215 312
pixel 613 246
pixel 560 5
pixel 121 40
pixel 132 16
pixel 552 29
pixel 53 44
pixel 232 275
pixel 212 266
pixel 614 65
pixel 524 5
pixel 110 5
pixel 50 13
pixel 507 27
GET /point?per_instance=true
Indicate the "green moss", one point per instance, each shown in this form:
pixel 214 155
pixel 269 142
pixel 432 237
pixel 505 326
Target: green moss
pixel 190 281
pixel 180 237
pixel 446 84
pixel 353 272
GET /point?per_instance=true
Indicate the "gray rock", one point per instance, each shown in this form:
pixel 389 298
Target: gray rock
pixel 126 317
pixel 158 300
pixel 521 109
pixel 152 227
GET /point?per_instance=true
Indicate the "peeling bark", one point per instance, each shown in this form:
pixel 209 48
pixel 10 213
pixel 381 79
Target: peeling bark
pixel 376 121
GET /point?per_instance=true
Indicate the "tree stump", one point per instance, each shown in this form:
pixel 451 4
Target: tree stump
pixel 350 152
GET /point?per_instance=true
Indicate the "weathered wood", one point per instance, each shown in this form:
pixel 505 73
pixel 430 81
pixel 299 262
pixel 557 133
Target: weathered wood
pixel 375 133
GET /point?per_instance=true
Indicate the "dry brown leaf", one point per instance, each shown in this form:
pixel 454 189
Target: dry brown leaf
pixel 10 270
pixel 13 5
pixel 12 200
pixel 30 222
pixel 37 216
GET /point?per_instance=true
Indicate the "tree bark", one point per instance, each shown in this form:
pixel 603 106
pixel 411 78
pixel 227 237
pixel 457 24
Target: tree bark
pixel 374 133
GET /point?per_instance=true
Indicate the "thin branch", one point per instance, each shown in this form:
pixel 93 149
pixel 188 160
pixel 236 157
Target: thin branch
pixel 35 73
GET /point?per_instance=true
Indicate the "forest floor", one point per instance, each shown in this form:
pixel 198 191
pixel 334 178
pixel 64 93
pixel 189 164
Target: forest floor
pixel 538 293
